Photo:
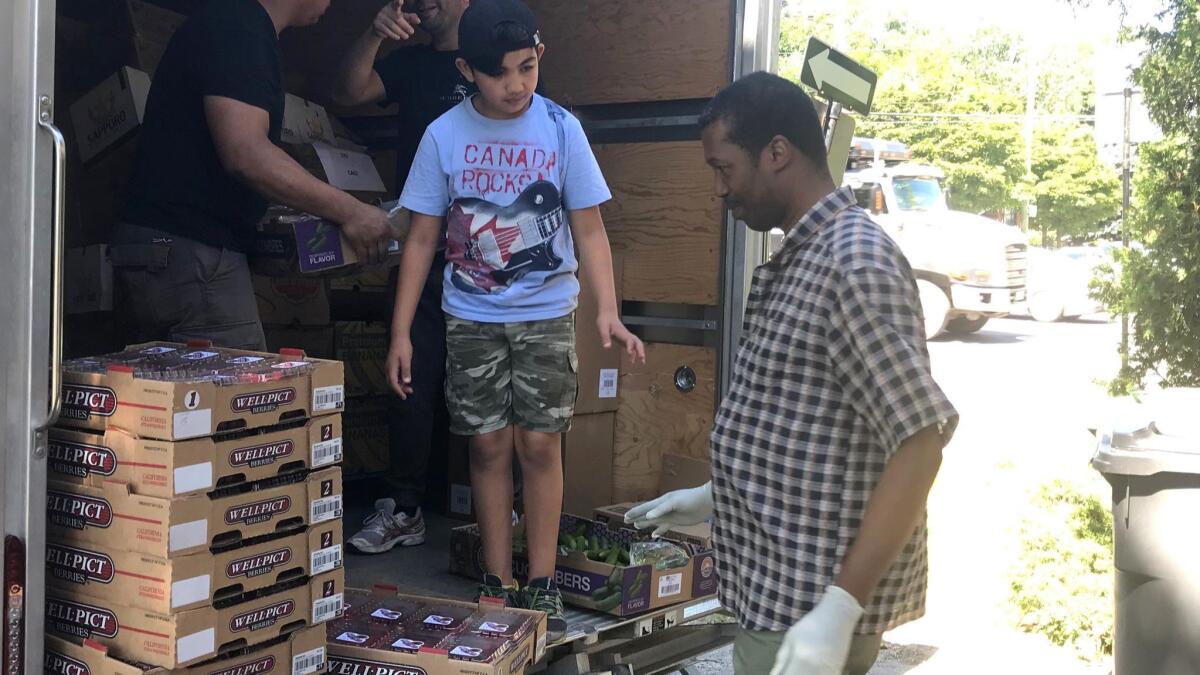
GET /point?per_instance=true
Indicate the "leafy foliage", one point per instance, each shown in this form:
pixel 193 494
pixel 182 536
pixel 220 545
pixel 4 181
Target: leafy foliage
pixel 1158 281
pixel 1075 193
pixel 958 102
pixel 1062 584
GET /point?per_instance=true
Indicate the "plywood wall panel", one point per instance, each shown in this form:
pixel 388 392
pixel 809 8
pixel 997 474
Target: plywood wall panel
pixel 656 418
pixel 621 51
pixel 664 220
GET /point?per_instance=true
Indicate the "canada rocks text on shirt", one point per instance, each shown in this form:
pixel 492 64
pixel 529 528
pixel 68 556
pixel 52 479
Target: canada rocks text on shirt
pixel 504 168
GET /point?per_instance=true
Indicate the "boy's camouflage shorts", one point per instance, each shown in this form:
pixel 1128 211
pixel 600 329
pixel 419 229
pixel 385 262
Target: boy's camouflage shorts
pixel 510 374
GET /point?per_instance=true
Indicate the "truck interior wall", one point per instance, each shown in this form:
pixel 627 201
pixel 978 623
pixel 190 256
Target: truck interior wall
pixel 621 60
pixel 631 71
pixel 657 417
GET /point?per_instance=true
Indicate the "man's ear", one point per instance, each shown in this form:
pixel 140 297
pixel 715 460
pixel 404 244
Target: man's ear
pixel 779 153
pixel 465 69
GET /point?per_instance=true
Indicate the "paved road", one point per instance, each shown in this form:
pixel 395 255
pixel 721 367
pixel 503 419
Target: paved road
pixel 1027 394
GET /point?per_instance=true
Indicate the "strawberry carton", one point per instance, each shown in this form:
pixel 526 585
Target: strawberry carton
pixel 169 586
pixel 174 392
pixel 177 640
pixel 111 515
pixel 169 469
pixel 301 652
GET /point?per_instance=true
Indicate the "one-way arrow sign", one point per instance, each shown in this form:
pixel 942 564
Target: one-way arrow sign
pixel 838 78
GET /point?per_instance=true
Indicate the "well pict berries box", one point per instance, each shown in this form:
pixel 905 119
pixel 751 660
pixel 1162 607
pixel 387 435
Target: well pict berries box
pixel 167 469
pixel 301 652
pixel 458 650
pixel 168 586
pixel 175 640
pixel 111 515
pixel 609 585
pixel 173 392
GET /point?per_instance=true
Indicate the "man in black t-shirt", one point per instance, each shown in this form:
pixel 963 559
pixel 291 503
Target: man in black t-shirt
pixel 207 165
pixel 425 83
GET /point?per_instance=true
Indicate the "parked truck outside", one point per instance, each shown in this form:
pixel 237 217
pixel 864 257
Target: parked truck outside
pixel 969 268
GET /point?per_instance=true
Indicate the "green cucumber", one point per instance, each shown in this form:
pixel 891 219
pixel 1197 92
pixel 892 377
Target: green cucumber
pixel 610 603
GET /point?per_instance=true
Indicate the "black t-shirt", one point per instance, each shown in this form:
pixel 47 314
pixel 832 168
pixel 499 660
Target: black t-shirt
pixel 227 48
pixel 426 84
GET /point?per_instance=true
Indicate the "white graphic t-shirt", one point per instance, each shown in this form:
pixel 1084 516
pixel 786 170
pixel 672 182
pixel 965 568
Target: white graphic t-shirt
pixel 504 188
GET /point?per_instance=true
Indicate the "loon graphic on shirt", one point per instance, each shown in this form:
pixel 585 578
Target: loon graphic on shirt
pixel 490 246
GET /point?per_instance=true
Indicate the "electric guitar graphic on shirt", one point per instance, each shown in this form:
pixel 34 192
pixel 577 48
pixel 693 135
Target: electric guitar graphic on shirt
pixel 492 246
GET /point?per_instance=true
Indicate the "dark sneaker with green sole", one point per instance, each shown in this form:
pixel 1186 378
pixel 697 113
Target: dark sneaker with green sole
pixel 542 596
pixel 493 587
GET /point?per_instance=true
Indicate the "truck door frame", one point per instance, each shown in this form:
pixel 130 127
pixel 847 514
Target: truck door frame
pixel 28 304
pixel 755 47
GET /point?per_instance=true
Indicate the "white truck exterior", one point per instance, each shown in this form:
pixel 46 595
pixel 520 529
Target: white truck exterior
pixel 969 268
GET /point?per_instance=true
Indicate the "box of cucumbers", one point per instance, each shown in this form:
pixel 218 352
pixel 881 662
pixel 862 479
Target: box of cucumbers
pixel 613 570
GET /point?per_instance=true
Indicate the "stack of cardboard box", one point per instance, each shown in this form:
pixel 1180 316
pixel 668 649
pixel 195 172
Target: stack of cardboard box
pixel 362 348
pixel 194 506
pixel 295 312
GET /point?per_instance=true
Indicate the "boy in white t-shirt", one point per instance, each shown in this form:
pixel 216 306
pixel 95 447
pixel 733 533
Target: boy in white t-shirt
pixel 513 178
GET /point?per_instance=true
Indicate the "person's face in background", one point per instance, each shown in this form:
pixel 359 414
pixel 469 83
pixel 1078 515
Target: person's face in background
pixel 438 16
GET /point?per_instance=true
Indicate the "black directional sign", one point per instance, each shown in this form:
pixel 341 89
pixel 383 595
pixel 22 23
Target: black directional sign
pixel 837 77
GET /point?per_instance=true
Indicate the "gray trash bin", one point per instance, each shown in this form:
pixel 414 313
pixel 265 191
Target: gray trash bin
pixel 1153 467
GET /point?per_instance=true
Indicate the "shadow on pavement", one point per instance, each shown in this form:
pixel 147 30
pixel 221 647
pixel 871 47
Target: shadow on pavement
pixel 985 337
pixel 897 659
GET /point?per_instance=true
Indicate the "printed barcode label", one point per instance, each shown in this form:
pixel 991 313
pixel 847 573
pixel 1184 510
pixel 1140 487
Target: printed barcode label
pixel 327 452
pixel 326 559
pixel 327 608
pixel 325 509
pixel 309 662
pixel 329 398
pixel 608 383
pixel 670 584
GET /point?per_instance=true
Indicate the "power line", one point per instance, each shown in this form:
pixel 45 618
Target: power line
pixel 1015 117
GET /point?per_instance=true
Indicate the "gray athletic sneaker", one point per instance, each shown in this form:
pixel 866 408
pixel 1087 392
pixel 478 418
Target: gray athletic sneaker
pixel 387 528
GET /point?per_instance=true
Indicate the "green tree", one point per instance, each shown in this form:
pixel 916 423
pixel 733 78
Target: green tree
pixel 1076 194
pixel 970 80
pixel 1159 280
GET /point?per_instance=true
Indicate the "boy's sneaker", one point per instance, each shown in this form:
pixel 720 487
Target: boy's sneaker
pixel 387 528
pixel 543 596
pixel 493 587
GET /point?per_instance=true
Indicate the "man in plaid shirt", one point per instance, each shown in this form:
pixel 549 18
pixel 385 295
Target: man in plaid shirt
pixel 824 450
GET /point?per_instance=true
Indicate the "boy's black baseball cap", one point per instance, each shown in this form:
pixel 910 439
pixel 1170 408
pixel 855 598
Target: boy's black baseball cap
pixel 489 29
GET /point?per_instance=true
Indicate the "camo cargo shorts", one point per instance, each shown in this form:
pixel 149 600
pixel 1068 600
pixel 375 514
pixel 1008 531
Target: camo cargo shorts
pixel 519 374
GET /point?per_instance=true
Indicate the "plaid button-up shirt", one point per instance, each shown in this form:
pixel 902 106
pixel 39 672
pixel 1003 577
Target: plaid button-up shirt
pixel 831 376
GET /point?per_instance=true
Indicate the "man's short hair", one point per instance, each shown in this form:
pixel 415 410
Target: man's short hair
pixel 761 106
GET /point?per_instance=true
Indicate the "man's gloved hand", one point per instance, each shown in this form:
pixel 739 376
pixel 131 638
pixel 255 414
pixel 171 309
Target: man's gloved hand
pixel 820 642
pixel 676 508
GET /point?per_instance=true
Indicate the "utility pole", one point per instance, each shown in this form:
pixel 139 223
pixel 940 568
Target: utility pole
pixel 1126 180
pixel 1030 103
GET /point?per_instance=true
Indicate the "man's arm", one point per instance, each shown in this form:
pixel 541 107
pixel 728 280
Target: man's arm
pixel 239 132
pixel 359 82
pixel 893 512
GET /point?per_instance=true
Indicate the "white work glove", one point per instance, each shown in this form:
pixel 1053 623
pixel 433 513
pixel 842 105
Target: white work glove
pixel 820 643
pixel 676 508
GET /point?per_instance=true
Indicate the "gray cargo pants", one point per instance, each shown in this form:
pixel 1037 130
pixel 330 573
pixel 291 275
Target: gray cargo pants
pixel 754 652
pixel 176 289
